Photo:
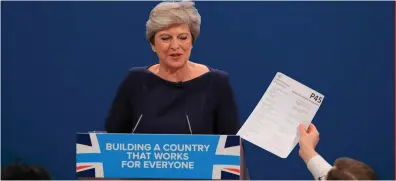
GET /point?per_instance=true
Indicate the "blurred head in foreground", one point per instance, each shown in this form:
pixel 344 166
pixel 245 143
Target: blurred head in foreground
pixel 24 172
pixel 350 169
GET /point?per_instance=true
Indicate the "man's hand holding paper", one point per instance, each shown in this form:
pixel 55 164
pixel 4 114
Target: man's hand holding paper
pixel 273 124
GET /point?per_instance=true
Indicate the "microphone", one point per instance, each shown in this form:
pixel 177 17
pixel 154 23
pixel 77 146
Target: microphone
pixel 140 118
pixel 188 122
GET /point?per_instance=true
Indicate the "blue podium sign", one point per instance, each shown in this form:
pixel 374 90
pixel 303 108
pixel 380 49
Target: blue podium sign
pixel 158 156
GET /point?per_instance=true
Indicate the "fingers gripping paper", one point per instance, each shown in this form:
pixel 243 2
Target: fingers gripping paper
pixel 273 124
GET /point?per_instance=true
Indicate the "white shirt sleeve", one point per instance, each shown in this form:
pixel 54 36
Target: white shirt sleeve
pixel 319 167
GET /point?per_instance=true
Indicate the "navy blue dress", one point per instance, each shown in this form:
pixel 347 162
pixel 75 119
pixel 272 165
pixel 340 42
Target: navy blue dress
pixel 204 105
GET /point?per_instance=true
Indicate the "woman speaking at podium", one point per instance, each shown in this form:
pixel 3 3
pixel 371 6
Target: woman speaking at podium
pixel 175 96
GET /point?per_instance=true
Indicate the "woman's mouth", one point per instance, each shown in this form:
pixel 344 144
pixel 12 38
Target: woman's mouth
pixel 176 55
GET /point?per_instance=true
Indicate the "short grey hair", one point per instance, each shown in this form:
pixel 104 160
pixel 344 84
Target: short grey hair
pixel 166 14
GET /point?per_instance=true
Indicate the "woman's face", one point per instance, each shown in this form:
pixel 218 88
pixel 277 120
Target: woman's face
pixel 173 45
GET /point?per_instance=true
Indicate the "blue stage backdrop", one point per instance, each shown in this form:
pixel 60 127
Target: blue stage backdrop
pixel 62 63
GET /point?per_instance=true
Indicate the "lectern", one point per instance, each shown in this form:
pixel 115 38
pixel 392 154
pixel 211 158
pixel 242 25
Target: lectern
pixel 158 156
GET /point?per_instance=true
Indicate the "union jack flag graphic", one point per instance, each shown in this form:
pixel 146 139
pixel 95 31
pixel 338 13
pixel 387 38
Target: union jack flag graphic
pixel 87 144
pixel 227 146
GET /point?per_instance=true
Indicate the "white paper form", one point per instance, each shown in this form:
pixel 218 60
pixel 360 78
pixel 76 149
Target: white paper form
pixel 273 124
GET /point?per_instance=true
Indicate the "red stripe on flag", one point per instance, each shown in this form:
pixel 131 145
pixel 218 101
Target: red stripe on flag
pixel 233 169
pixel 83 166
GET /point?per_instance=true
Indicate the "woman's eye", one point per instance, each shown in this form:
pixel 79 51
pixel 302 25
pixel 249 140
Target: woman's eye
pixel 165 38
pixel 183 37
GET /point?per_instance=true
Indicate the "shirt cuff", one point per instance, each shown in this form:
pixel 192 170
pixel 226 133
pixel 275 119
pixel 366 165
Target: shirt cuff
pixel 318 167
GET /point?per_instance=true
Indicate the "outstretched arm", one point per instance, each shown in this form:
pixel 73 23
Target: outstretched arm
pixel 309 138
